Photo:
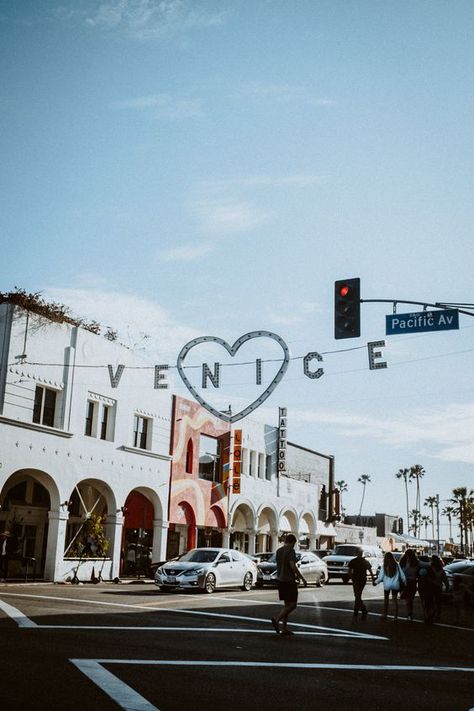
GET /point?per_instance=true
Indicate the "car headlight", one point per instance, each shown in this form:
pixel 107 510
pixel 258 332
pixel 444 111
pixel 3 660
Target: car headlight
pixel 159 571
pixel 194 571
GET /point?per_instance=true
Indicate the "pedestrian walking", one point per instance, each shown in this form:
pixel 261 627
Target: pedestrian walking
pixel 439 580
pixel 358 569
pixel 288 577
pixel 393 578
pixel 410 565
pixel 7 544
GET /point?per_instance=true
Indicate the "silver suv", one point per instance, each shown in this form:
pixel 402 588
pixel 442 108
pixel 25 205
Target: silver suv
pixel 338 562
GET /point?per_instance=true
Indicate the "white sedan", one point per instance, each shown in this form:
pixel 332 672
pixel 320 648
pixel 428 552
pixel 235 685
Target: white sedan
pixel 207 569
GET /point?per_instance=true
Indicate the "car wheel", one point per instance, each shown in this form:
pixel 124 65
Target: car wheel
pixel 210 583
pixel 248 581
pixel 321 580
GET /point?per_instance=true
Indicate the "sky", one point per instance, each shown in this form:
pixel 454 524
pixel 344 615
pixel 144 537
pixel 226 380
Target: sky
pixel 184 168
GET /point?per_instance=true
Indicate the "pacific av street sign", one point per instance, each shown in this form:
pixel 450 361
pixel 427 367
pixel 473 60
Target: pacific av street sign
pixel 422 321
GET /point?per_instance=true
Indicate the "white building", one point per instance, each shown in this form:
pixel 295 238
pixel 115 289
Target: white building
pixel 73 446
pixel 272 503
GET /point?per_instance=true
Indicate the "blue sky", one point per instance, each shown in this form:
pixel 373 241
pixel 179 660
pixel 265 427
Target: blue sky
pixel 177 169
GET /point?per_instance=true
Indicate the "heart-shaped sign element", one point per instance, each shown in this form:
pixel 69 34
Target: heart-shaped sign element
pixel 232 350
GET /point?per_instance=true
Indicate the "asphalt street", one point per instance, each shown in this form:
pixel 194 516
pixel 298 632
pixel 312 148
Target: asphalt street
pixel 129 646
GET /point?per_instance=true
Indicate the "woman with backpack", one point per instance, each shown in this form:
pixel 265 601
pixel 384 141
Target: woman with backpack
pixel 393 579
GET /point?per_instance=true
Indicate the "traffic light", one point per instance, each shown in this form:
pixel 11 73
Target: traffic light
pixel 347 308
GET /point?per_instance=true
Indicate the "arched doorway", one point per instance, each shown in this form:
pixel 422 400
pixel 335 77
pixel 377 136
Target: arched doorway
pixel 87 502
pixel 243 524
pixel 211 534
pixel 182 533
pixel 266 526
pixel 137 537
pixel 25 501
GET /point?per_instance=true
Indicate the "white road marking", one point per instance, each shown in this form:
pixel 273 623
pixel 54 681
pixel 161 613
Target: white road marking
pixel 233 630
pixel 21 619
pixel 118 690
pixel 130 700
pixel 285 665
pixel 315 628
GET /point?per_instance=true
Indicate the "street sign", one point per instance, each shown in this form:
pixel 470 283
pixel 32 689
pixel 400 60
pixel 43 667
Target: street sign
pixel 422 321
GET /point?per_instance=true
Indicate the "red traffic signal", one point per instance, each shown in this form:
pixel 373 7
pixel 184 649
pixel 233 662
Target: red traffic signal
pixel 347 308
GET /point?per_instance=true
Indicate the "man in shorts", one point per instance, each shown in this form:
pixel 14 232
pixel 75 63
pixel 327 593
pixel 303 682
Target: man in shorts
pixel 288 577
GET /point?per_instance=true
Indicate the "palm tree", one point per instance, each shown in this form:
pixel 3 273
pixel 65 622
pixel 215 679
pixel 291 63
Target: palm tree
pixel 469 518
pixel 415 514
pixel 364 480
pixel 425 520
pixel 448 511
pixel 417 472
pixel 462 501
pixel 404 474
pixel 431 501
pixel 342 487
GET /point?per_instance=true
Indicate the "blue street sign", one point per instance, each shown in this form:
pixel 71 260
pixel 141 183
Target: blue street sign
pixel 422 321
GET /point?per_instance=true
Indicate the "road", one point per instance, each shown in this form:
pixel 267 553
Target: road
pixel 129 646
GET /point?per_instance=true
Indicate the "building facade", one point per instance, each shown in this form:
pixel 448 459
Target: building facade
pixel 103 470
pixel 244 503
pixel 84 443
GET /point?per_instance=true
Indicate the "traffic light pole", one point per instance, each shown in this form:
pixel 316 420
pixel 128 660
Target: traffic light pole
pixel 437 305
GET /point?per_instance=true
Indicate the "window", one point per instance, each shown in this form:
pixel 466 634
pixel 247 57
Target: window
pixel 189 457
pixel 45 406
pixel 252 462
pixel 91 407
pixel 140 432
pixel 100 417
pixel 261 466
pixel 245 461
pixel 104 421
pixel 209 458
pixel 268 467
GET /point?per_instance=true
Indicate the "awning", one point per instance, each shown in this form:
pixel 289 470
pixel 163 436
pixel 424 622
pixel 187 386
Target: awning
pixel 409 540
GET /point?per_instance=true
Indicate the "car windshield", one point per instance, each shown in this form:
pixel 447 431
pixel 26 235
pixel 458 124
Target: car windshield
pixel 347 550
pixel 200 555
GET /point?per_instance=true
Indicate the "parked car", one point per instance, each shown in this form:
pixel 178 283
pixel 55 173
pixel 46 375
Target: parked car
pixel 459 568
pixel 313 568
pixel 338 562
pixel 207 569
pixel 323 552
pixel 263 557
pixel 466 580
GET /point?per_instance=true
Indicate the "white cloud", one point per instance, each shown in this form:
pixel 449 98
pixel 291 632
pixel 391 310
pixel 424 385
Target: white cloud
pixel 152 19
pixel 185 253
pixel 164 105
pixel 290 315
pixel 284 94
pixel 140 323
pixel 222 205
pixel 447 430
pixel 228 215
